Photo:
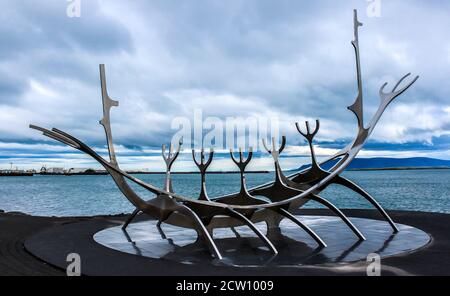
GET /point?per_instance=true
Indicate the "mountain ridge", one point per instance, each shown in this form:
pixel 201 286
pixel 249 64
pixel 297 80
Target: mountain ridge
pixel 391 163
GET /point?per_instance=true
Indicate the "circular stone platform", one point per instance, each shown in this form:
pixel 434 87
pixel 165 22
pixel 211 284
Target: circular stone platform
pixel 242 248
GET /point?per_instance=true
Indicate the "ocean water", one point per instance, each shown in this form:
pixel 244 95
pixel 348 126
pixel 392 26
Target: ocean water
pixel 420 190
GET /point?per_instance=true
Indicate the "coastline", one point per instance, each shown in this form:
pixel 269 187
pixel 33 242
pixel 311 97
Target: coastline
pixel 220 172
pixel 129 172
pixel 400 169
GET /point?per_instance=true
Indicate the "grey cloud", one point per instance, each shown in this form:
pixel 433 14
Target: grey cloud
pixel 30 26
pixel 291 57
pixel 38 40
pixel 11 88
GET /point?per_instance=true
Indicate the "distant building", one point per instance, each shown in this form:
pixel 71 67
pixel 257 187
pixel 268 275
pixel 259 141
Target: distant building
pixel 15 172
pixel 77 170
pixel 55 170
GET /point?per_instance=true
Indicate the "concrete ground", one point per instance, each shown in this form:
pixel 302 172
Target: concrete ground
pixel 20 234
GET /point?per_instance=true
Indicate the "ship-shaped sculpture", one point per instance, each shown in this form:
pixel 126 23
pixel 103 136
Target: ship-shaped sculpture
pixel 280 198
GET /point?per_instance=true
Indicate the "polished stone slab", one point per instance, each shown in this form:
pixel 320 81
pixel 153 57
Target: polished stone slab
pixel 241 247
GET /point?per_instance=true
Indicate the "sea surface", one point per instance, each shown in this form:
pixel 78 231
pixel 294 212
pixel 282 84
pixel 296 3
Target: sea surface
pixel 418 190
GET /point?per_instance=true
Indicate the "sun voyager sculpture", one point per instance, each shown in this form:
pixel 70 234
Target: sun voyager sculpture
pixel 269 203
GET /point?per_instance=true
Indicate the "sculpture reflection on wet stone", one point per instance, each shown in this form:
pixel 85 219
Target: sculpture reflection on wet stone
pixel 269 203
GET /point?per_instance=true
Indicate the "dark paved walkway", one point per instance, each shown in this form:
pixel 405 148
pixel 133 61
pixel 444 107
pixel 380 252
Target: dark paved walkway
pixel 16 229
pixel 14 259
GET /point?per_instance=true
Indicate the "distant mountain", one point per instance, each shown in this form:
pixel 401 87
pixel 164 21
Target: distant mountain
pixel 392 163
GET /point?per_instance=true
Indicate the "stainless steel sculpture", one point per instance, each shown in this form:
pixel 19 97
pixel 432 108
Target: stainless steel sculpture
pixel 285 193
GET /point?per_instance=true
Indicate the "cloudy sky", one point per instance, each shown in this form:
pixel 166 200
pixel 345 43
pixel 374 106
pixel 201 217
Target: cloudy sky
pixel 164 59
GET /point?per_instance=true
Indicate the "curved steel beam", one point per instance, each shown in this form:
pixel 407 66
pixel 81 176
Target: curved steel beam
pixel 202 230
pixel 306 228
pixel 338 212
pixel 130 218
pixel 283 185
pixel 316 173
pixel 352 186
pixel 203 166
pixel 253 227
